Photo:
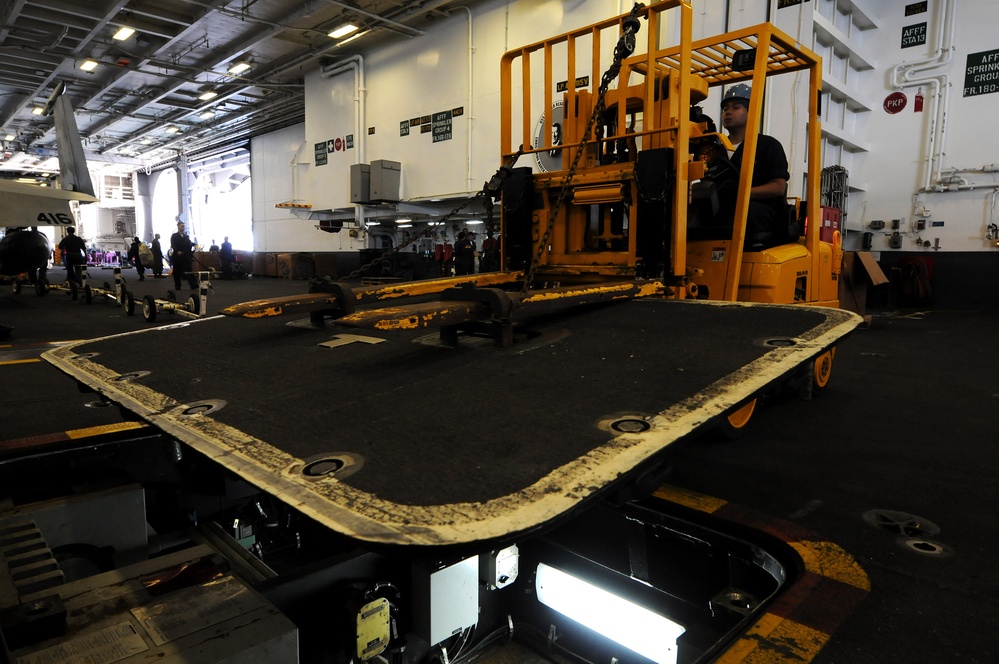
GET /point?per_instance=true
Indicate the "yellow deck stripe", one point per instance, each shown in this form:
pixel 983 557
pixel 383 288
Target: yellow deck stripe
pixel 35 359
pixel 775 640
pixel 104 428
pixel 831 561
pixel 687 498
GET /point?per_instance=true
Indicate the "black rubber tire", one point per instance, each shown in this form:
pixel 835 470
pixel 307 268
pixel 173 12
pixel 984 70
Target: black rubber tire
pixel 149 308
pixel 193 305
pixel 129 304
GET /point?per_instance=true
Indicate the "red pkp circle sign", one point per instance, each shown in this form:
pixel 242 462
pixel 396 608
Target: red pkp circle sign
pixel 895 102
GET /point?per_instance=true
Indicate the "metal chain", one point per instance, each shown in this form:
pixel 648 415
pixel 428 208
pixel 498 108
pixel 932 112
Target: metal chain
pixel 625 47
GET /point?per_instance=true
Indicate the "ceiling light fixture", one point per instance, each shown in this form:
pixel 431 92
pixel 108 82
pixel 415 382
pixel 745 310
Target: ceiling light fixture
pixel 344 42
pixel 208 94
pixel 172 129
pixel 207 114
pixel 343 30
pixel 37 110
pixel 9 137
pixel 238 68
pixel 88 65
pixel 124 32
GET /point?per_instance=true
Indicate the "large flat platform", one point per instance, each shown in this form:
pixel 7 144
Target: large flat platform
pixel 393 438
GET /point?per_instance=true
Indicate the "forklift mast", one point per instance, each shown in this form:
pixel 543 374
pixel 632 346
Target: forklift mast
pixel 610 191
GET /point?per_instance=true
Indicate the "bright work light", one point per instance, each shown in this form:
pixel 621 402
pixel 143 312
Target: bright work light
pixel 646 632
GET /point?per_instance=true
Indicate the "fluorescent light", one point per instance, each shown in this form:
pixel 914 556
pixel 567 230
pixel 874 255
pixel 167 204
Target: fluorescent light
pixel 172 129
pixel 646 632
pixel 238 68
pixel 343 30
pixel 9 137
pixel 207 114
pixel 89 65
pixel 373 223
pixel 208 94
pixel 474 222
pixel 37 110
pixel 404 226
pixel 146 141
pixel 403 221
pixel 344 42
pixel 123 33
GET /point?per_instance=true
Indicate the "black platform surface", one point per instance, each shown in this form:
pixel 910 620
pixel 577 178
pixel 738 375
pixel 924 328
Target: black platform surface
pixel 396 439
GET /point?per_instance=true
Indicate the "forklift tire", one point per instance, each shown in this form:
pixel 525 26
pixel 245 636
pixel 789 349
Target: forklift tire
pixel 172 296
pixel 129 304
pixel 149 308
pixel 73 290
pixel 17 287
pixel 734 424
pixel 41 288
pixel 88 294
pixel 822 371
pixel 107 286
pixel 193 305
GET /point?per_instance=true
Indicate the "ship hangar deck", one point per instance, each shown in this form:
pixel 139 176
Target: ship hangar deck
pixel 868 469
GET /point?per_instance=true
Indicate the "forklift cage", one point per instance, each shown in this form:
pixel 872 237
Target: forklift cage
pixel 663 102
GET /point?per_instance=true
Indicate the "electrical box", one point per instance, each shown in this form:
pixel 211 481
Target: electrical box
pixel 895 241
pixel 386 177
pixel 445 598
pixel 832 221
pixel 920 224
pixel 360 183
pixel 896 224
pixel 500 568
pixel 877 224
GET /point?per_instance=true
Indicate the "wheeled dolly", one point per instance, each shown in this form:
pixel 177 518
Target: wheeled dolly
pixel 116 292
pixel 194 307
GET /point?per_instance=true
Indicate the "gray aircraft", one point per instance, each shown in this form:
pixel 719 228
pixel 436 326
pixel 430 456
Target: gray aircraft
pixel 25 207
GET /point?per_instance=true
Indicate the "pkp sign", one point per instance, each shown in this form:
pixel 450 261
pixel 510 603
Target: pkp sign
pixel 895 102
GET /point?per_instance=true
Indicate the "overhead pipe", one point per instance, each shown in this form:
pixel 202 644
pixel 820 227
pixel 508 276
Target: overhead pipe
pixel 468 155
pixel 903 76
pixel 355 64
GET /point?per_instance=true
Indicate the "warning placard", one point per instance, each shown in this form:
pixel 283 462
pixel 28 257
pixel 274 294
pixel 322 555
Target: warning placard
pixel 914 35
pixel 981 75
pixel 442 126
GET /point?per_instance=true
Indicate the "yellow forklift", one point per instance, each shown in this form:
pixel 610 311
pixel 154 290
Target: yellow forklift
pixel 618 187
pixel 617 162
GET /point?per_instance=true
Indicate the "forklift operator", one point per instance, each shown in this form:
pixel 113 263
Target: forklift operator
pixel 767 222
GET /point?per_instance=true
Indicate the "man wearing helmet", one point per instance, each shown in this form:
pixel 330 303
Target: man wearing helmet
pixel 767 221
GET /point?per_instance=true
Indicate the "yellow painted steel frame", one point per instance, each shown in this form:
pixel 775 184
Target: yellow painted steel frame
pixel 699 65
pixel 661 128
